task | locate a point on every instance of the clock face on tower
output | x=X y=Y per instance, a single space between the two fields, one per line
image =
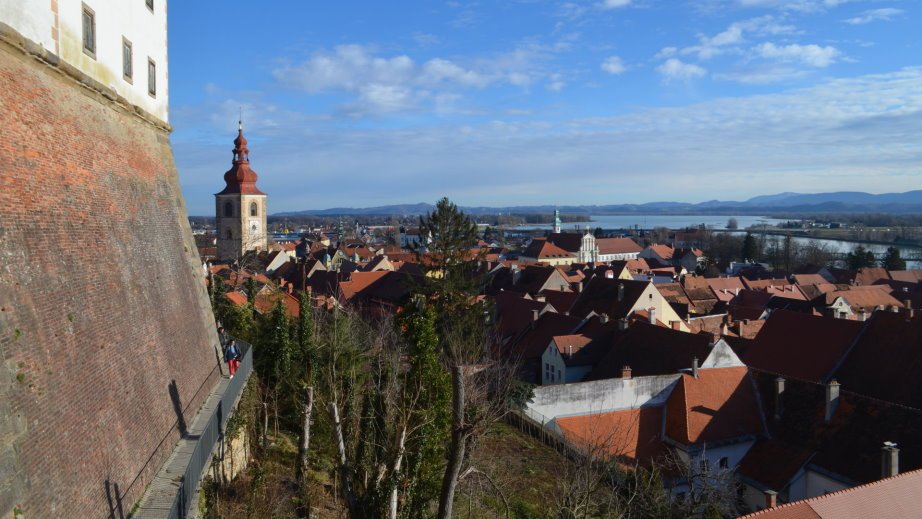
x=254 y=226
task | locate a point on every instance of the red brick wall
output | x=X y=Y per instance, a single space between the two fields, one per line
x=102 y=297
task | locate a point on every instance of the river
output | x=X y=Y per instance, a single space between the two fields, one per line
x=630 y=221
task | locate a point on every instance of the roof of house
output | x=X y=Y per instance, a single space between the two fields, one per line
x=238 y=298
x=720 y=404
x=540 y=248
x=886 y=361
x=662 y=250
x=761 y=284
x=561 y=301
x=652 y=350
x=266 y=299
x=534 y=278
x=617 y=246
x=868 y=276
x=810 y=279
x=891 y=498
x=514 y=312
x=570 y=346
x=909 y=276
x=725 y=289
x=867 y=298
x=600 y=295
x=533 y=340
x=568 y=241
x=772 y=463
x=801 y=346
x=848 y=447
x=632 y=435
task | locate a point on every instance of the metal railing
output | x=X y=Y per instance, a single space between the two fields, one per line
x=211 y=435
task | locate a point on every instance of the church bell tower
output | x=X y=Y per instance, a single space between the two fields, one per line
x=240 y=209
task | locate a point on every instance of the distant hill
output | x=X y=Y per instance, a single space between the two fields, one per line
x=843 y=201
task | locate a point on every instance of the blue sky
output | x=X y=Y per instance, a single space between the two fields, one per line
x=546 y=102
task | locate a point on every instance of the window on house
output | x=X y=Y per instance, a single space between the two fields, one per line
x=253 y=209
x=127 y=69
x=150 y=4
x=228 y=209
x=89 y=31
x=151 y=77
x=725 y=462
x=559 y=375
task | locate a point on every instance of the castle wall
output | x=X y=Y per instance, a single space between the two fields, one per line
x=105 y=324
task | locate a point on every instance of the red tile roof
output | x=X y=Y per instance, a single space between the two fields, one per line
x=720 y=404
x=570 y=344
x=631 y=435
x=801 y=346
x=617 y=246
x=890 y=498
x=662 y=250
x=541 y=248
x=652 y=350
x=772 y=463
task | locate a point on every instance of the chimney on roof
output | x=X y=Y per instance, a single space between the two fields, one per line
x=540 y=298
x=695 y=367
x=652 y=312
x=675 y=325
x=894 y=309
x=620 y=291
x=832 y=399
x=771 y=499
x=623 y=324
x=779 y=397
x=862 y=315
x=569 y=350
x=889 y=460
x=579 y=287
x=609 y=274
x=907 y=303
x=603 y=318
x=563 y=288
x=715 y=337
x=534 y=315
x=626 y=372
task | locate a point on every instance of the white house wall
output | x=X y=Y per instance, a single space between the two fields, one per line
x=599 y=396
x=115 y=20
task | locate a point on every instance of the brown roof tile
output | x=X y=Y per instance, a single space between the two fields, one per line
x=720 y=404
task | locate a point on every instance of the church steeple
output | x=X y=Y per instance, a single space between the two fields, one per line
x=241 y=178
x=557 y=221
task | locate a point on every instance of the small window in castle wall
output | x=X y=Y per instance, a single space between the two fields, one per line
x=151 y=77
x=127 y=56
x=89 y=31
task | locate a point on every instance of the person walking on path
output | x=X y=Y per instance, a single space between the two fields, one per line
x=232 y=357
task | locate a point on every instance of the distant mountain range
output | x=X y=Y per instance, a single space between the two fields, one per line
x=838 y=202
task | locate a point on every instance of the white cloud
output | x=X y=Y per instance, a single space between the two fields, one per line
x=674 y=68
x=734 y=35
x=794 y=5
x=613 y=65
x=397 y=83
x=614 y=4
x=812 y=55
x=874 y=15
x=556 y=83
